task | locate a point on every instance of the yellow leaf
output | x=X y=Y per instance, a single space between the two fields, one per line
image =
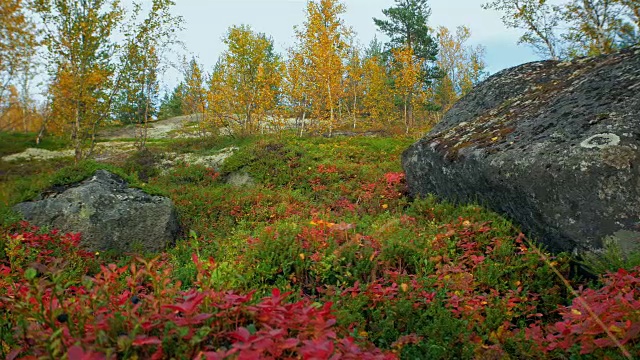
x=384 y=206
x=301 y=256
x=404 y=287
x=615 y=329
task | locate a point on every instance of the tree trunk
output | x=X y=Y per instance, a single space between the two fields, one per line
x=410 y=112
x=24 y=120
x=355 y=107
x=330 y=110
x=406 y=119
x=145 y=123
x=43 y=128
x=76 y=136
x=248 y=125
x=304 y=115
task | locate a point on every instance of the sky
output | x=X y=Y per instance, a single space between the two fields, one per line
x=207 y=21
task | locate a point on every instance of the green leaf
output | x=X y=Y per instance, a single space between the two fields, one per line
x=183 y=331
x=30 y=274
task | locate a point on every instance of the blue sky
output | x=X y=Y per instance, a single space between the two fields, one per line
x=206 y=22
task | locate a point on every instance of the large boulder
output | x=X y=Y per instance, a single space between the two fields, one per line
x=552 y=145
x=109 y=214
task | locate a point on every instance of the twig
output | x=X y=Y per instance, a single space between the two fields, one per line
x=615 y=340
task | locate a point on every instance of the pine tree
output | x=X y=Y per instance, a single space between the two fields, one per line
x=171 y=104
x=412 y=46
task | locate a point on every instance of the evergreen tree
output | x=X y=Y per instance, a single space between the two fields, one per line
x=406 y=26
x=374 y=49
x=171 y=104
x=413 y=51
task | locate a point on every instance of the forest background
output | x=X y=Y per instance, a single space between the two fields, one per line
x=101 y=63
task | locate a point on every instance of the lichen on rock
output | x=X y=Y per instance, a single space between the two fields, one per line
x=109 y=215
x=552 y=145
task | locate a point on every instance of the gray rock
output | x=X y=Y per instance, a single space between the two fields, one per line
x=109 y=214
x=240 y=179
x=552 y=145
x=214 y=161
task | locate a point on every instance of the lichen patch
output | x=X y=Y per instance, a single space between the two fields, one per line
x=601 y=141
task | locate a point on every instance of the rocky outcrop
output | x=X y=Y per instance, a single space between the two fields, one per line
x=109 y=214
x=552 y=145
x=214 y=161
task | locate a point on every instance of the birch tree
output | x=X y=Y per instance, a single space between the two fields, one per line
x=599 y=27
x=253 y=73
x=354 y=89
x=379 y=94
x=406 y=74
x=17 y=47
x=297 y=86
x=80 y=47
x=462 y=65
x=147 y=41
x=324 y=41
x=540 y=20
x=195 y=94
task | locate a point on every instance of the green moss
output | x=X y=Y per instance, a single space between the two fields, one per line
x=14 y=142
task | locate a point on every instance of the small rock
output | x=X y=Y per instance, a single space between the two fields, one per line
x=240 y=178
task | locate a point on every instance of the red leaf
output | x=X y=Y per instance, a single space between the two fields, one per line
x=209 y=355
x=241 y=334
x=77 y=353
x=201 y=317
x=249 y=355
x=188 y=306
x=146 y=340
x=290 y=343
x=603 y=342
x=13 y=354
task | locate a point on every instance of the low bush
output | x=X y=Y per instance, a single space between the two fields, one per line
x=324 y=257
